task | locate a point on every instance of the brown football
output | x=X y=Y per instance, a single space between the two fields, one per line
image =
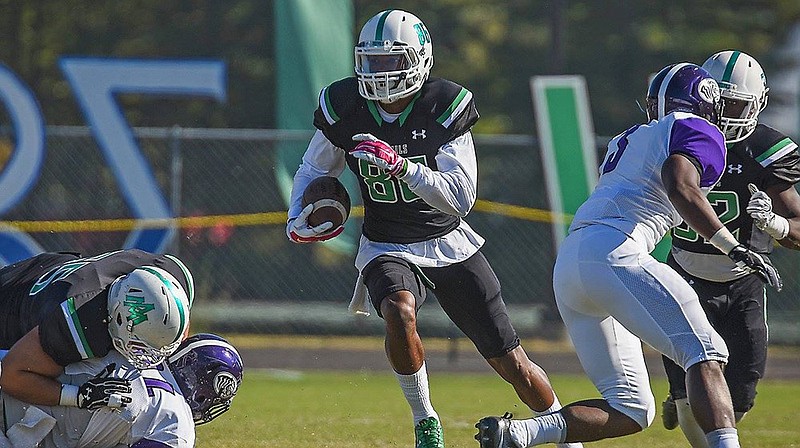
x=330 y=199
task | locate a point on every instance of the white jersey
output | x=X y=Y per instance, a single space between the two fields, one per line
x=157 y=411
x=630 y=195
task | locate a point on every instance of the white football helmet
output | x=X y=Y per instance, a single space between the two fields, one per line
x=743 y=87
x=394 y=56
x=148 y=315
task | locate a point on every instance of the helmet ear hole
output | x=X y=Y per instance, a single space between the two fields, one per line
x=119 y=319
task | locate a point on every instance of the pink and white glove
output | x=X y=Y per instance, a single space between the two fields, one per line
x=298 y=230
x=379 y=153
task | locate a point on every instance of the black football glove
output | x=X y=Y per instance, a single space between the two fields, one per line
x=760 y=264
x=104 y=390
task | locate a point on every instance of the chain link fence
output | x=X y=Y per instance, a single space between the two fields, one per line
x=222 y=185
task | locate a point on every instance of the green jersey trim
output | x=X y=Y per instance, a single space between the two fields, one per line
x=326 y=107
x=373 y=109
x=408 y=109
x=76 y=328
x=456 y=107
x=776 y=151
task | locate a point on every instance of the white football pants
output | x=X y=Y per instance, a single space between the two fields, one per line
x=612 y=295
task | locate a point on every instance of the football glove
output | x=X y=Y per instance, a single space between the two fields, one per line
x=379 y=153
x=299 y=231
x=760 y=209
x=746 y=258
x=104 y=390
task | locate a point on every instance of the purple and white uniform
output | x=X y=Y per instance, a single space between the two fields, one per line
x=612 y=294
x=157 y=417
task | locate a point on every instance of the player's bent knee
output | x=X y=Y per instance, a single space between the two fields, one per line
x=642 y=411
x=397 y=307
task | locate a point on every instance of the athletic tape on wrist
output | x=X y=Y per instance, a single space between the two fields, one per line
x=778 y=227
x=724 y=240
x=69 y=395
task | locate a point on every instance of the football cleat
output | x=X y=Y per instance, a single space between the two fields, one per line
x=428 y=434
x=669 y=413
x=493 y=432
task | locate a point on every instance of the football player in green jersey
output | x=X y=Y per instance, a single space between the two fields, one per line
x=406 y=137
x=757 y=201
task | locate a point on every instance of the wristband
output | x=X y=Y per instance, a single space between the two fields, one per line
x=777 y=227
x=115 y=401
x=724 y=240
x=69 y=395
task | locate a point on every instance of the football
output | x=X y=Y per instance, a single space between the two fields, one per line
x=330 y=199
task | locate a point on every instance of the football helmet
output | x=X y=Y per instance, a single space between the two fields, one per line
x=394 y=56
x=208 y=371
x=743 y=87
x=148 y=314
x=684 y=87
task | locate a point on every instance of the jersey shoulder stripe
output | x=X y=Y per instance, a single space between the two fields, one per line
x=451 y=105
x=776 y=151
x=766 y=145
x=76 y=328
x=337 y=98
x=458 y=105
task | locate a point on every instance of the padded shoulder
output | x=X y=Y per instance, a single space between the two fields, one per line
x=336 y=101
x=453 y=106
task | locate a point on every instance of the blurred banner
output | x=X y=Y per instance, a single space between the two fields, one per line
x=314 y=47
x=566 y=135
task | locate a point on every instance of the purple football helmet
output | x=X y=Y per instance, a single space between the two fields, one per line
x=684 y=87
x=208 y=371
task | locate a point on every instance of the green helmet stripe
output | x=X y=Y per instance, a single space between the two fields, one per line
x=726 y=77
x=189 y=278
x=381 y=23
x=178 y=304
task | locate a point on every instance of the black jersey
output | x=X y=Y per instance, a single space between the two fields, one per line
x=765 y=158
x=67 y=297
x=440 y=112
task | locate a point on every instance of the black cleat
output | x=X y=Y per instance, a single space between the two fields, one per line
x=493 y=432
x=669 y=413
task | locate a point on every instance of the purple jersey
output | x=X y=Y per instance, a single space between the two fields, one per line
x=630 y=195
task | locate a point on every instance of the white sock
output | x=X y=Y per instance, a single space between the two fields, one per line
x=415 y=389
x=691 y=430
x=549 y=428
x=723 y=438
x=556 y=406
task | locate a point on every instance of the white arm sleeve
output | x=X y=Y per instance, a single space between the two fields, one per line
x=454 y=187
x=322 y=158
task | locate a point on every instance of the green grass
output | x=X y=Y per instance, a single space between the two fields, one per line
x=367 y=409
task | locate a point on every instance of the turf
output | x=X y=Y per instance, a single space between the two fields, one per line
x=366 y=409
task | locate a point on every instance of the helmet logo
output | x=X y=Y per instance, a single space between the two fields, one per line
x=422 y=33
x=708 y=89
x=137 y=309
x=225 y=385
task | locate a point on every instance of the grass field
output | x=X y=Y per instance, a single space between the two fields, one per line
x=366 y=409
